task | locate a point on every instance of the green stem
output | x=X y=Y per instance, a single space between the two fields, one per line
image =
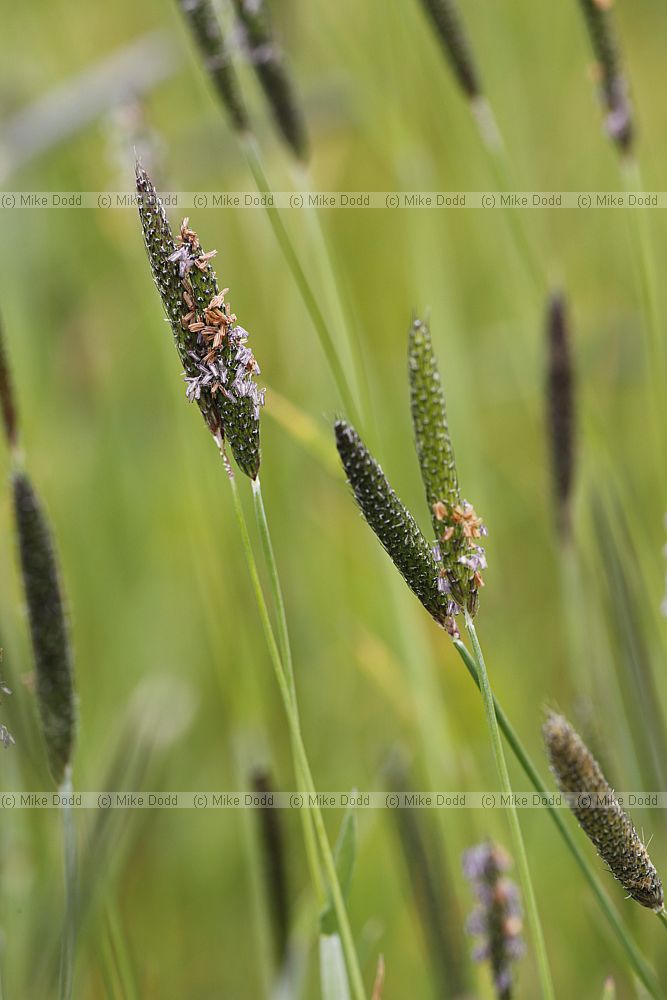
x=347 y=939
x=69 y=864
x=639 y=964
x=288 y=663
x=519 y=846
x=662 y=916
x=307 y=294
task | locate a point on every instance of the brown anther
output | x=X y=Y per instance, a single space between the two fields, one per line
x=196 y=327
x=439 y=510
x=479 y=582
x=447 y=534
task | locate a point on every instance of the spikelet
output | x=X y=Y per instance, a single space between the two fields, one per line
x=393 y=524
x=613 y=86
x=600 y=814
x=52 y=651
x=497 y=918
x=446 y=20
x=219 y=368
x=207 y=33
x=456 y=526
x=560 y=410
x=268 y=61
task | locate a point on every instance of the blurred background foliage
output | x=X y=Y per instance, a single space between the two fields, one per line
x=151 y=558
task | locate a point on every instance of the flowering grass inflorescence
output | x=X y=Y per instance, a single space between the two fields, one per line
x=497 y=918
x=600 y=814
x=612 y=82
x=219 y=367
x=560 y=409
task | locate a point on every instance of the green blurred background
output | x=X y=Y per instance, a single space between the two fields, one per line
x=151 y=557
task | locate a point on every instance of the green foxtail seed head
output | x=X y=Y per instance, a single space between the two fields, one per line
x=456 y=526
x=219 y=367
x=205 y=27
x=267 y=58
x=52 y=651
x=613 y=86
x=446 y=20
x=599 y=813
x=393 y=524
x=560 y=410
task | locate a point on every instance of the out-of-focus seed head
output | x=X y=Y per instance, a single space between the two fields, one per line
x=267 y=58
x=219 y=367
x=54 y=671
x=7 y=404
x=446 y=20
x=612 y=83
x=600 y=814
x=560 y=410
x=456 y=526
x=497 y=918
x=394 y=526
x=203 y=23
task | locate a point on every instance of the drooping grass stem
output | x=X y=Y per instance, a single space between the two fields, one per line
x=70 y=873
x=301 y=759
x=639 y=964
x=309 y=297
x=517 y=836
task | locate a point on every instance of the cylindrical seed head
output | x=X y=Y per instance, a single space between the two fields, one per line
x=268 y=61
x=446 y=20
x=52 y=651
x=207 y=33
x=7 y=404
x=613 y=86
x=560 y=409
x=600 y=814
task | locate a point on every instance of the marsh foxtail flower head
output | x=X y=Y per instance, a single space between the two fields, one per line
x=52 y=651
x=266 y=57
x=600 y=814
x=219 y=367
x=497 y=918
x=612 y=83
x=458 y=529
x=7 y=404
x=560 y=409
x=202 y=20
x=446 y=20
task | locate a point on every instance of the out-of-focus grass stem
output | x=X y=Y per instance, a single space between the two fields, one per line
x=309 y=297
x=70 y=871
x=301 y=760
x=639 y=964
x=519 y=846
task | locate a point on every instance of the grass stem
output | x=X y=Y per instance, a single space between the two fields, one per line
x=301 y=760
x=519 y=846
x=69 y=863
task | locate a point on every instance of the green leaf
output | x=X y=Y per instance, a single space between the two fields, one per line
x=333 y=974
x=345 y=853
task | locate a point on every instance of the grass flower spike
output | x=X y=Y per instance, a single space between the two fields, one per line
x=600 y=814
x=497 y=919
x=456 y=526
x=52 y=651
x=267 y=58
x=207 y=33
x=219 y=367
x=613 y=86
x=446 y=20
x=560 y=410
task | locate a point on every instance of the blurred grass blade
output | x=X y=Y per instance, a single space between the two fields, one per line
x=267 y=59
x=216 y=59
x=378 y=985
x=333 y=974
x=609 y=990
x=345 y=852
x=48 y=627
x=7 y=402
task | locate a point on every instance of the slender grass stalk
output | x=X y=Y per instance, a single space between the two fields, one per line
x=70 y=872
x=354 y=971
x=663 y=918
x=327 y=342
x=288 y=663
x=640 y=966
x=517 y=836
